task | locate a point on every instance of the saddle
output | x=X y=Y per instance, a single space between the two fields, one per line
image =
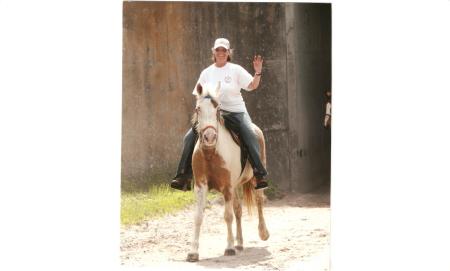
x=244 y=152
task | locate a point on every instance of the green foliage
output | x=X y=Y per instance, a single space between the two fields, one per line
x=273 y=192
x=158 y=200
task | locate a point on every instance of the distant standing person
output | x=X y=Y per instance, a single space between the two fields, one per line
x=327 y=120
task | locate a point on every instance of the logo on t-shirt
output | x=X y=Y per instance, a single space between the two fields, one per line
x=227 y=79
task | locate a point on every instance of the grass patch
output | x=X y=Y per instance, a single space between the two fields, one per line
x=144 y=182
x=157 y=201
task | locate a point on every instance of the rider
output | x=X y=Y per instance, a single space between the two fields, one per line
x=232 y=78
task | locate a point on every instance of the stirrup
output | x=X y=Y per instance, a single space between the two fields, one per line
x=261 y=184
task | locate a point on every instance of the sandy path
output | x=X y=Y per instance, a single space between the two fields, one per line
x=299 y=238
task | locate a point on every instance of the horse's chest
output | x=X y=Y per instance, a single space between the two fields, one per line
x=215 y=164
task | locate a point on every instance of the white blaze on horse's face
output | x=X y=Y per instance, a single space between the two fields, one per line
x=207 y=114
x=207 y=121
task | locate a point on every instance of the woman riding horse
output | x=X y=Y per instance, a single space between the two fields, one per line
x=232 y=78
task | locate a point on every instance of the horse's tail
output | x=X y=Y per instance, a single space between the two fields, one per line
x=248 y=187
x=249 y=194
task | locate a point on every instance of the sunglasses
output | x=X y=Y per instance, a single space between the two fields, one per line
x=220 y=49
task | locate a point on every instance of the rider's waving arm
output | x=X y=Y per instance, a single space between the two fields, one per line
x=257 y=65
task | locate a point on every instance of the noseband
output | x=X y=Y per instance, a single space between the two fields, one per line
x=209 y=126
x=201 y=135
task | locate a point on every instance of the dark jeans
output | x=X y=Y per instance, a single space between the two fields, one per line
x=241 y=124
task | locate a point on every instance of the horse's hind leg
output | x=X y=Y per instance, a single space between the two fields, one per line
x=229 y=220
x=263 y=232
x=262 y=229
x=200 y=193
x=238 y=214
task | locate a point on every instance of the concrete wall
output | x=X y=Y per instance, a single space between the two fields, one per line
x=309 y=60
x=167 y=44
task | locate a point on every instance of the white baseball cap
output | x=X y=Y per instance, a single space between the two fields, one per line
x=221 y=42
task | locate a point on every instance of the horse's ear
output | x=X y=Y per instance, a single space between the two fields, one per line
x=199 y=89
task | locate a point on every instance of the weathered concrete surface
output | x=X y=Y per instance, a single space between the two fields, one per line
x=311 y=62
x=167 y=44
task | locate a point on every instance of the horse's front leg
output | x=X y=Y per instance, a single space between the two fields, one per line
x=200 y=194
x=229 y=220
x=238 y=214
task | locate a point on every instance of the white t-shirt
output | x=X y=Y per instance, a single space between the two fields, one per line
x=328 y=109
x=232 y=79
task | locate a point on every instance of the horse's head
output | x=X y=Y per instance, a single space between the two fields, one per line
x=207 y=114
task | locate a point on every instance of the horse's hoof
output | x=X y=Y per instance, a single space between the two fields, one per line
x=240 y=248
x=230 y=252
x=264 y=235
x=192 y=257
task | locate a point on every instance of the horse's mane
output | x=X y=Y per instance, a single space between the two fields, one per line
x=194 y=119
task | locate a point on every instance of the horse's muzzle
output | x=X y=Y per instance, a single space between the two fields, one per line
x=209 y=136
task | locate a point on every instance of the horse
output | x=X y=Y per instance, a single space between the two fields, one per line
x=217 y=165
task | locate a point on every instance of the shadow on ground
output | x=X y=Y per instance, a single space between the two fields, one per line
x=249 y=256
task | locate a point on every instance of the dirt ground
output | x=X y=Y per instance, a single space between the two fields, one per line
x=299 y=227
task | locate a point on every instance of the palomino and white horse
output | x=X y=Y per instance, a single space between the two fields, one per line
x=216 y=165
